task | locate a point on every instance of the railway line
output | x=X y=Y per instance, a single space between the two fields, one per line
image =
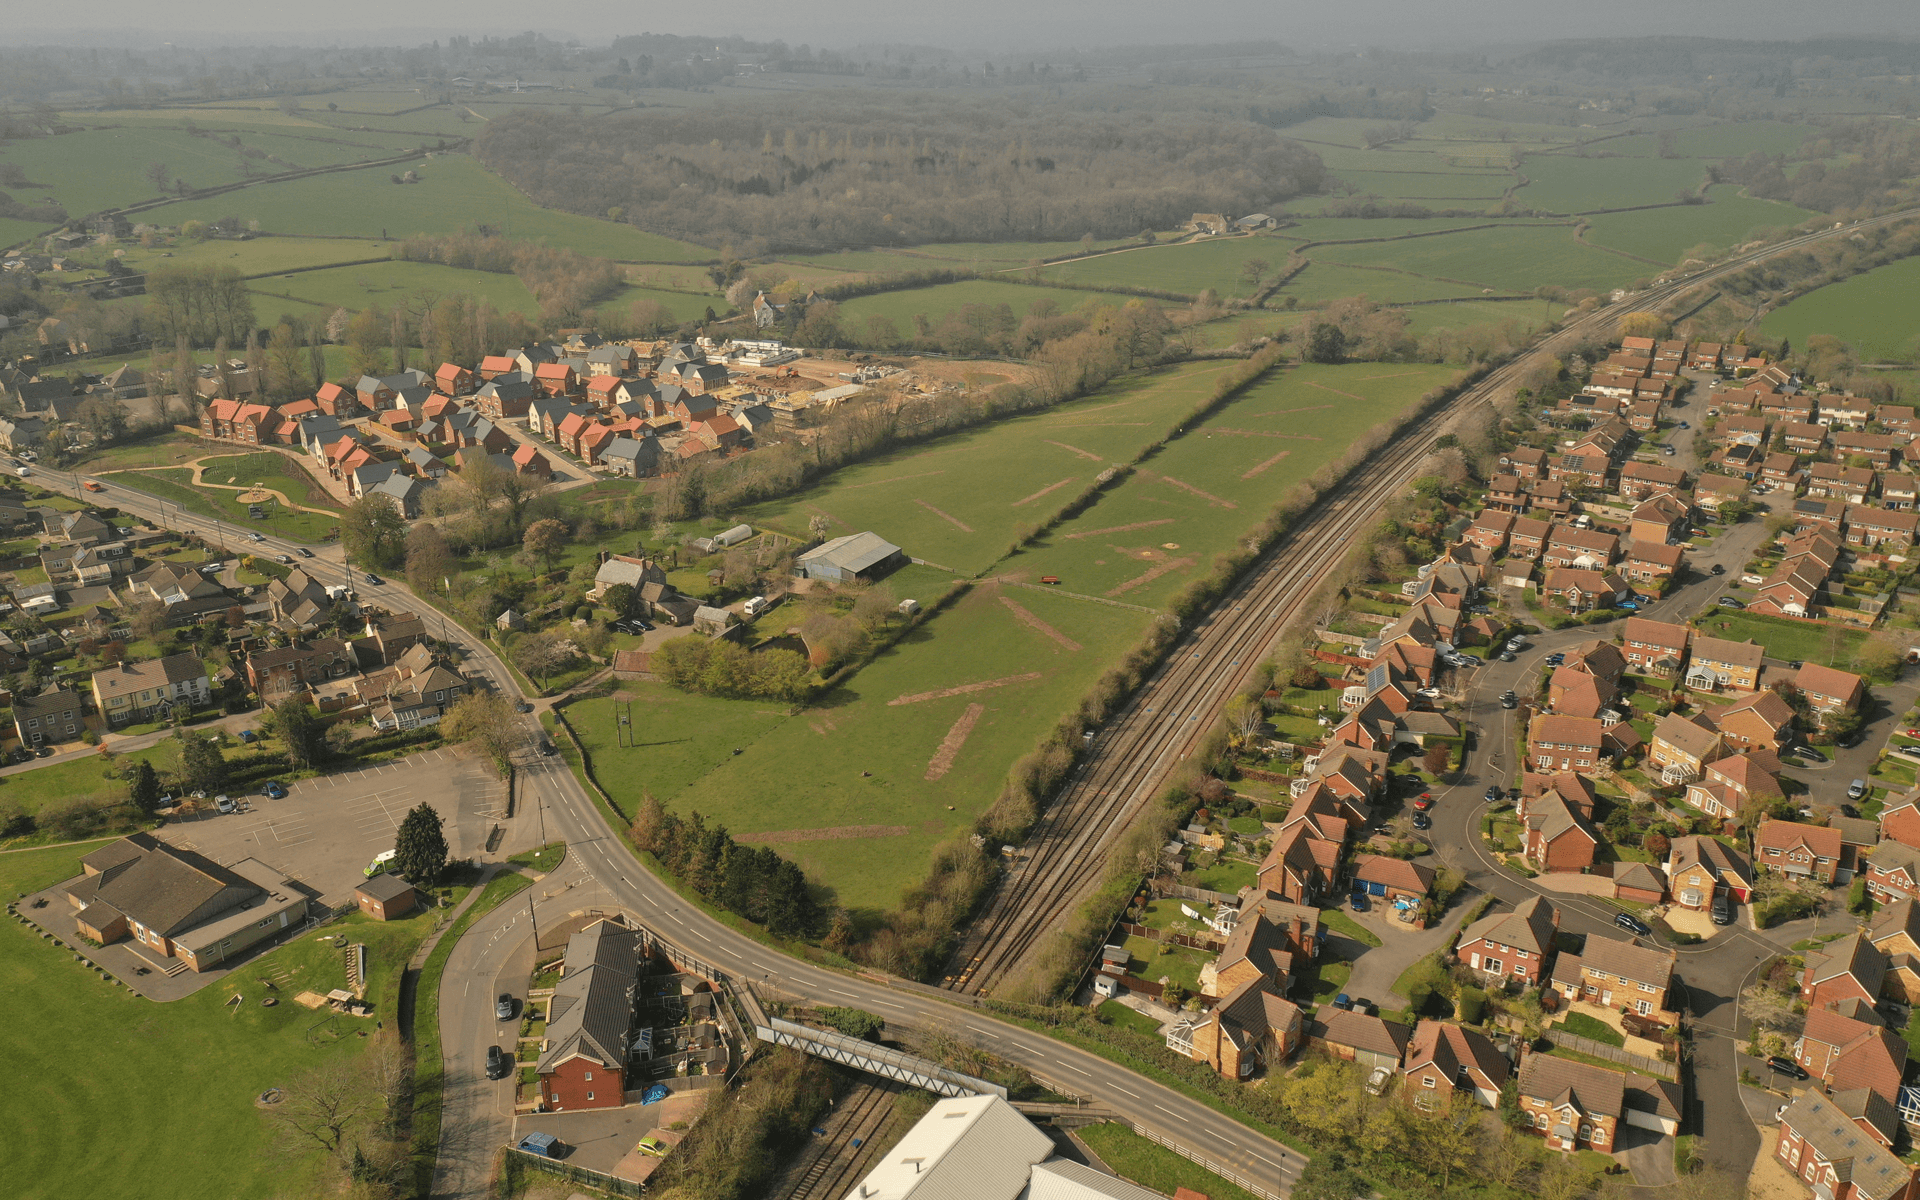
x=1131 y=760
x=834 y=1162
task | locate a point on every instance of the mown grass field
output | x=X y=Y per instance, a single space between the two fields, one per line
x=1319 y=229
x=1735 y=139
x=15 y=232
x=1506 y=260
x=267 y=469
x=1787 y=638
x=1443 y=189
x=98 y=1059
x=456 y=193
x=947 y=255
x=175 y=485
x=994 y=480
x=1872 y=312
x=934 y=303
x=1665 y=234
x=83 y=778
x=1187 y=269
x=855 y=759
x=1562 y=183
x=387 y=283
x=1423 y=319
x=1323 y=281
x=261 y=256
x=1144 y=540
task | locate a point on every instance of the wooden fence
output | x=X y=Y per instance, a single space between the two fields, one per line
x=1638 y=1062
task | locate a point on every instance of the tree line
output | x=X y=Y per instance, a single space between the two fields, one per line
x=752 y=881
x=826 y=172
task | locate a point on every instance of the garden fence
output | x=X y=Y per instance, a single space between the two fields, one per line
x=1232 y=1177
x=1638 y=1062
x=607 y=1183
x=1183 y=892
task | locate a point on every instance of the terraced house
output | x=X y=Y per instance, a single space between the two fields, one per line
x=148 y=691
x=1843 y=1157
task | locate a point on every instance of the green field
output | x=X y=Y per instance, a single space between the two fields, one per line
x=1664 y=234
x=456 y=193
x=947 y=255
x=387 y=283
x=14 y=232
x=1872 y=312
x=936 y=302
x=991 y=479
x=854 y=759
x=107 y=1078
x=1733 y=140
x=1506 y=260
x=1423 y=319
x=1433 y=188
x=83 y=778
x=261 y=256
x=1785 y=637
x=1561 y=183
x=1187 y=269
x=1324 y=281
x=1337 y=229
x=1146 y=538
x=1153 y=1166
x=175 y=485
x=267 y=469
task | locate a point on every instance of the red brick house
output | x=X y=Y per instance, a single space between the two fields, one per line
x=1489 y=531
x=1618 y=975
x=1900 y=820
x=1514 y=945
x=1800 y=850
x=1842 y=1157
x=1648 y=562
x=555 y=379
x=590 y=1019
x=1881 y=529
x=452 y=379
x=1893 y=871
x=1761 y=721
x=1850 y=969
x=1392 y=878
x=494 y=365
x=1572 y=1105
x=1556 y=814
x=1830 y=690
x=1656 y=648
x=1847 y=1052
x=1640 y=480
x=1443 y=1059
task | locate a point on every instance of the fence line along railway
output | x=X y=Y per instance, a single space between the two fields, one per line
x=1178 y=705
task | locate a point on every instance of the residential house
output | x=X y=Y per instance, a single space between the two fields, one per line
x=1848 y=1046
x=1660 y=519
x=1443 y=1059
x=1762 y=720
x=1880 y=450
x=1729 y=783
x=1527 y=462
x=1833 y=481
x=1572 y=1105
x=1858 y=837
x=1741 y=431
x=1368 y=1042
x=1589 y=549
x=1712 y=491
x=178 y=904
x=1803 y=438
x=51 y=716
x=1849 y=969
x=1899 y=491
x=1392 y=879
x=1900 y=819
x=1828 y=689
x=1272 y=938
x=1681 y=746
x=1641 y=480
x=590 y=1020
x=1556 y=815
x=452 y=379
x=1893 y=871
x=1839 y=1150
x=1800 y=850
x=1781 y=468
x=285 y=670
x=1649 y=562
x=1516 y=945
x=635 y=458
x=1700 y=867
x=1792 y=590
x=1255 y=1024
x=1528 y=538
x=1655 y=648
x=1619 y=975
x=1579 y=590
x=1721 y=665
x=1556 y=743
x=149 y=691
x=499 y=399
x=1572 y=692
x=1895 y=932
x=1881 y=529
x=555 y=379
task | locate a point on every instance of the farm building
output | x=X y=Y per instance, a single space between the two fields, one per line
x=857 y=556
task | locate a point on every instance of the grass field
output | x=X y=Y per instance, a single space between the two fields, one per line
x=1154 y=1166
x=456 y=192
x=387 y=283
x=261 y=256
x=1187 y=269
x=936 y=302
x=175 y=485
x=1423 y=319
x=1665 y=234
x=82 y=778
x=1321 y=229
x=1787 y=638
x=1146 y=538
x=855 y=759
x=1562 y=183
x=1323 y=281
x=75 y=1081
x=1731 y=140
x=1871 y=312
x=1442 y=189
x=267 y=469
x=1507 y=260
x=994 y=480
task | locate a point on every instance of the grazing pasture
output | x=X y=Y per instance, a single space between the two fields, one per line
x=1665 y=234
x=934 y=303
x=1507 y=260
x=1562 y=183
x=1872 y=312
x=1188 y=269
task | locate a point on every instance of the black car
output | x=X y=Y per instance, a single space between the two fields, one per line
x=303 y=552
x=1730 y=602
x=1848 y=741
x=373 y=579
x=1494 y=794
x=1809 y=753
x=1722 y=908
x=1717 y=569
x=523 y=707
x=1422 y=821
x=1786 y=1066
x=497 y=1063
x=1633 y=924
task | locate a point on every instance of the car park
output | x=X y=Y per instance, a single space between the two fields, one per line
x=225 y=804
x=273 y=791
x=503 y=1007
x=1781 y=1065
x=496 y=1063
x=1422 y=821
x=1633 y=924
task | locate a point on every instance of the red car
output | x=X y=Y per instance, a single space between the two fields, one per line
x=1424 y=802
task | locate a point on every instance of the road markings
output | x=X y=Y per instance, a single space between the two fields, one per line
x=983 y=1032
x=1176 y=1116
x=1116 y=1087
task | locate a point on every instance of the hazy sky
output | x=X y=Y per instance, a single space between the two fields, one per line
x=998 y=25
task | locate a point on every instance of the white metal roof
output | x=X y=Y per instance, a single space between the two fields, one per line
x=965 y=1148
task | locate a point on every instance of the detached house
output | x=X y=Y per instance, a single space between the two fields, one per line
x=1556 y=813
x=1849 y=969
x=1512 y=945
x=1443 y=1059
x=1656 y=648
x=1682 y=746
x=1616 y=974
x=1761 y=721
x=1849 y=1047
x=147 y=691
x=1829 y=690
x=1800 y=850
x=1723 y=665
x=1700 y=867
x=1253 y=1025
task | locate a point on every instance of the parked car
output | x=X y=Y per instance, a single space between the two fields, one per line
x=1857 y=790
x=1423 y=801
x=303 y=552
x=372 y=579
x=273 y=791
x=1494 y=793
x=503 y=1007
x=1556 y=659
x=1506 y=656
x=1667 y=450
x=1629 y=605
x=1509 y=700
x=248 y=736
x=1422 y=821
x=1377 y=1081
x=1809 y=753
x=378 y=864
x=544 y=1144
x=1730 y=602
x=652 y=1146
x=1722 y=908
x=1848 y=741
x=1357 y=902
x=1716 y=569
x=496 y=1063
x=1780 y=1065
x=1633 y=924
x=225 y=804
x=43 y=752
x=1684 y=425
x=257 y=537
x=523 y=707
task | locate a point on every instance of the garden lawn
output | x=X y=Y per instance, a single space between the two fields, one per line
x=1227 y=875
x=1665 y=234
x=1154 y=960
x=1507 y=260
x=1337 y=920
x=934 y=303
x=1115 y=1013
x=994 y=479
x=267 y=469
x=1871 y=312
x=455 y=193
x=174 y=484
x=99 y=1058
x=1188 y=269
x=1787 y=638
x=1144 y=539
x=1154 y=1166
x=1592 y=1028
x=854 y=759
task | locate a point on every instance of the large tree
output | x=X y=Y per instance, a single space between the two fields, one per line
x=420 y=847
x=487 y=720
x=201 y=762
x=373 y=531
x=299 y=727
x=143 y=788
x=546 y=538
x=430 y=561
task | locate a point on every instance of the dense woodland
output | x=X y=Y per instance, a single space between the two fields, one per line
x=826 y=172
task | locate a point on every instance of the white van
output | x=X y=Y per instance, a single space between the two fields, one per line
x=755 y=606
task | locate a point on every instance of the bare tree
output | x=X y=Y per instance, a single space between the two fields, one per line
x=322 y=1105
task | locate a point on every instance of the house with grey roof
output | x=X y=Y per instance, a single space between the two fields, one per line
x=54 y=715
x=590 y=1020
x=406 y=493
x=148 y=691
x=636 y=458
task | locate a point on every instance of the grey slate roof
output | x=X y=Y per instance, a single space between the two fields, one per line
x=163 y=887
x=592 y=1010
x=853 y=553
x=1873 y=1170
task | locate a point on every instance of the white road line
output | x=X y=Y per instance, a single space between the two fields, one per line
x=838 y=992
x=1069 y=1066
x=1223 y=1137
x=1116 y=1087
x=983 y=1032
x=1176 y=1116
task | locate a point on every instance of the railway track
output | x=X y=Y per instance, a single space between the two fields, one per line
x=1160 y=725
x=836 y=1163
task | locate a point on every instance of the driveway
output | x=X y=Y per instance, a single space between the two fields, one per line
x=1375 y=971
x=327 y=829
x=1648 y=1154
